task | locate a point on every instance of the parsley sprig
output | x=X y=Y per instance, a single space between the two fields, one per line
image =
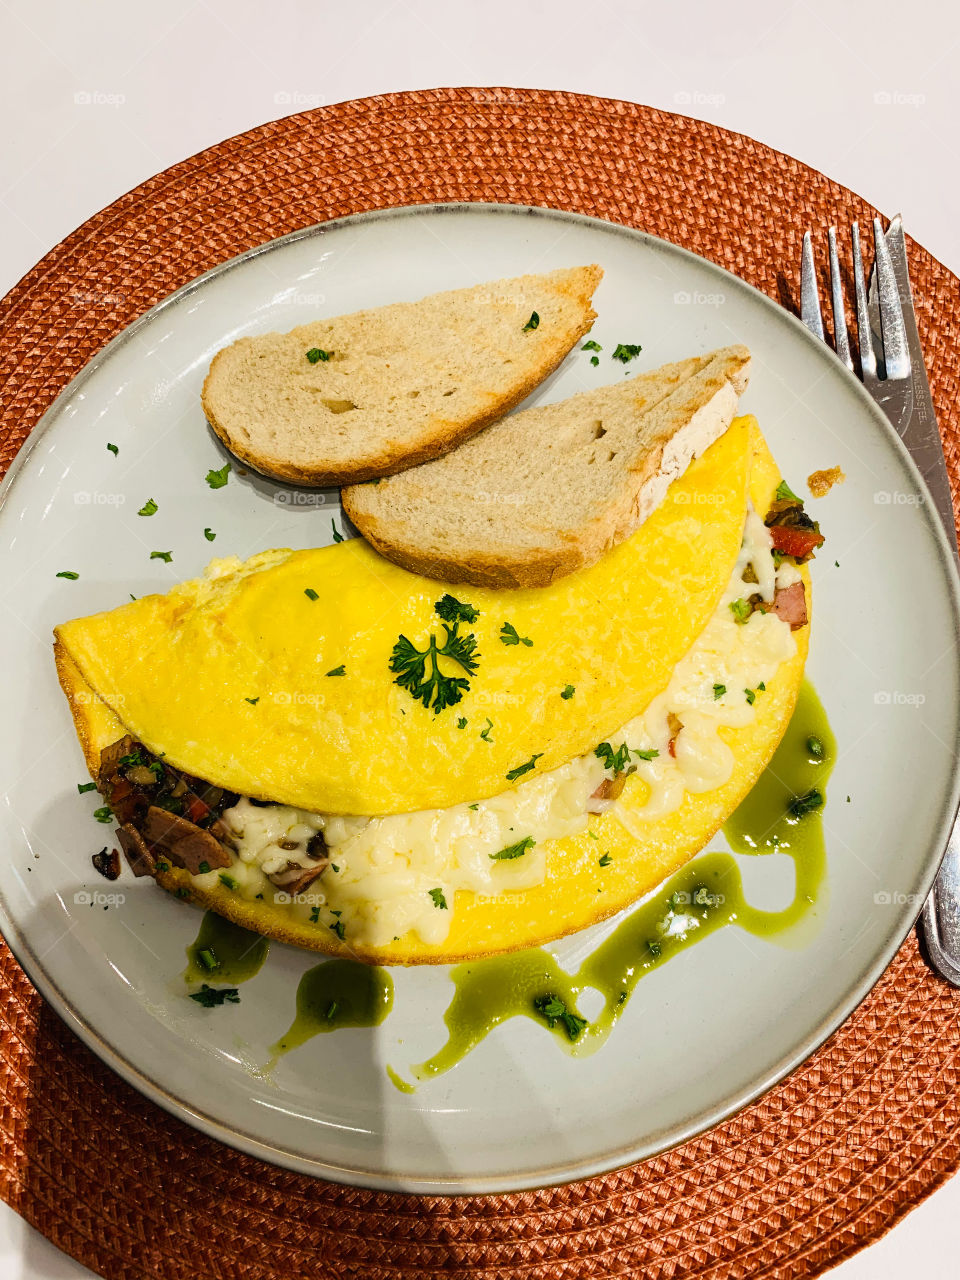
x=419 y=671
x=553 y=1010
x=617 y=761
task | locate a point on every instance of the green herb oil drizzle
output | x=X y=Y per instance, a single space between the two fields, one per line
x=224 y=952
x=335 y=994
x=704 y=896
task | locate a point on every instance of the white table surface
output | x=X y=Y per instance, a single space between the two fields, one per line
x=97 y=98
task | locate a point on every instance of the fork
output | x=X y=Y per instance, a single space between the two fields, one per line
x=892 y=371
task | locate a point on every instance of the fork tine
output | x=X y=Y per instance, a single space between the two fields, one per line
x=841 y=341
x=896 y=356
x=868 y=360
x=809 y=297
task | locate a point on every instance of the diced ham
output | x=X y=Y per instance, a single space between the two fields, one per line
x=608 y=791
x=790 y=605
x=183 y=843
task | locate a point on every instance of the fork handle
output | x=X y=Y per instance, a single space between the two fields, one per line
x=941 y=913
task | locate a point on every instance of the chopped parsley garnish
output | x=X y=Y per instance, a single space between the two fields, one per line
x=68 y=573
x=649 y=754
x=593 y=835
x=211 y=997
x=418 y=670
x=805 y=804
x=103 y=814
x=165 y=556
x=553 y=1009
x=149 y=508
x=654 y=948
x=605 y=860
x=533 y=322
x=217 y=479
x=253 y=701
x=228 y=882
x=462 y=722
x=616 y=761
x=316 y=354
x=741 y=610
x=626 y=351
x=750 y=695
x=209 y=535
x=314 y=914
x=135 y=757
x=339 y=929
x=778 y=557
x=86 y=786
x=718 y=691
x=815 y=747
x=513 y=850
x=509 y=635
x=113 y=449
x=331 y=1012
x=438 y=899
x=485 y=732
x=762 y=688
x=786 y=494
x=590 y=345
x=473 y=806
x=450 y=609
x=208 y=958
x=203 y=868
x=338 y=671
x=337 y=535
x=521 y=769
x=567 y=692
x=310 y=593
x=594 y=360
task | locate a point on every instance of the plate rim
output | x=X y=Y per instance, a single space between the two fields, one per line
x=557 y=1175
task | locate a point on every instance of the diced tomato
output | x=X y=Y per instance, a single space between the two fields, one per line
x=793 y=541
x=196 y=810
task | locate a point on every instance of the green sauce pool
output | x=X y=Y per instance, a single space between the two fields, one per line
x=782 y=814
x=224 y=952
x=335 y=994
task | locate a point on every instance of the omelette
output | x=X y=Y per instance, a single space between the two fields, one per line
x=335 y=752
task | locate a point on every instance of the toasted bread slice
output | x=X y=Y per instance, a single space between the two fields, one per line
x=386 y=389
x=547 y=491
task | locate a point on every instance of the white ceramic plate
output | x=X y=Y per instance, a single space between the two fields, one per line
x=705 y=1033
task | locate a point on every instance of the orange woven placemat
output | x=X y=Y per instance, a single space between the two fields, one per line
x=822 y=1164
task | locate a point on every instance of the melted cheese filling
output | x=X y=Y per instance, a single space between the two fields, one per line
x=390 y=875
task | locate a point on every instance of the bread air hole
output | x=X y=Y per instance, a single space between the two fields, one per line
x=599 y=430
x=452 y=392
x=339 y=406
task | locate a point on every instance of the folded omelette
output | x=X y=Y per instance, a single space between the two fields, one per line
x=332 y=751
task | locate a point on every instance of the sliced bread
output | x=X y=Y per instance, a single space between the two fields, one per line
x=546 y=491
x=342 y=400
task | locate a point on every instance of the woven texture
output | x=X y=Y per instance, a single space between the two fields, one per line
x=822 y=1164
